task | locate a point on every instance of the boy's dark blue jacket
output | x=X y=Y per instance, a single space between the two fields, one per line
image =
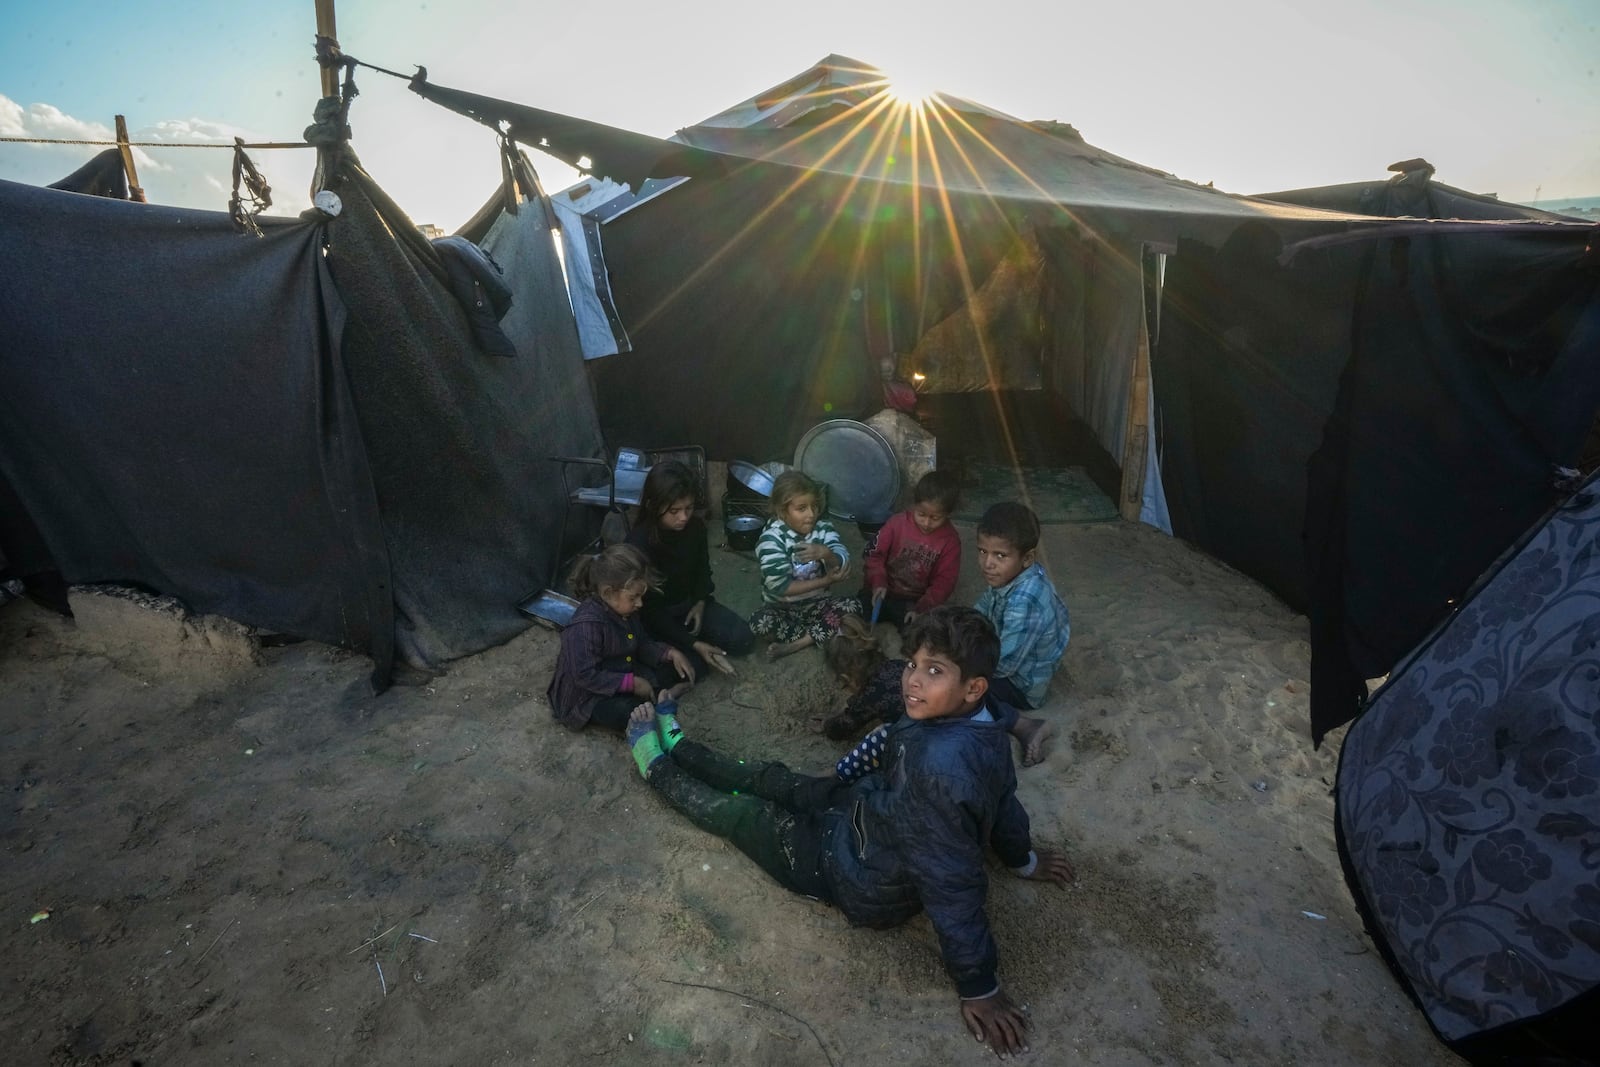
x=912 y=837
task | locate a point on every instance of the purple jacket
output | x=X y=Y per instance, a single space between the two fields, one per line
x=597 y=649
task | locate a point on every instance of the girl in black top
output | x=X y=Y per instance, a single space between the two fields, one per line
x=682 y=611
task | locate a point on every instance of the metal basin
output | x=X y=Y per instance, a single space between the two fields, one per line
x=857 y=464
x=745 y=479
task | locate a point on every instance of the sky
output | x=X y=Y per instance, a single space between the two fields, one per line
x=1502 y=96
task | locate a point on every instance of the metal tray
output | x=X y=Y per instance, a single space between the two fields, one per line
x=858 y=465
x=549 y=608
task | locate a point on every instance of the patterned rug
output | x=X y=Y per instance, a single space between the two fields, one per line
x=1056 y=494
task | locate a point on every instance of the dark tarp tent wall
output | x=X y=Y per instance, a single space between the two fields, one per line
x=301 y=441
x=175 y=414
x=1466 y=805
x=470 y=503
x=1401 y=403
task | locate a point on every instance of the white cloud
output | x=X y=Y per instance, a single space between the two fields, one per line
x=45 y=120
x=11 y=118
x=181 y=177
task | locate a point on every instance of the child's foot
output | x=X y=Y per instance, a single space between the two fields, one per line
x=778 y=650
x=667 y=728
x=643 y=741
x=1035 y=736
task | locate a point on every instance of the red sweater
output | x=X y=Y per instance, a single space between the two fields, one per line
x=913 y=565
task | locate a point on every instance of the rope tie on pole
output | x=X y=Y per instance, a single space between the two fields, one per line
x=257 y=193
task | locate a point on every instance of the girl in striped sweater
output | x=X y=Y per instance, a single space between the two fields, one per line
x=801 y=559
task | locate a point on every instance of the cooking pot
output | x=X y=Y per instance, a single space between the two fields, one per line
x=743 y=531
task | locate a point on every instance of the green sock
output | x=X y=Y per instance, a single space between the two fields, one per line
x=645 y=746
x=669 y=730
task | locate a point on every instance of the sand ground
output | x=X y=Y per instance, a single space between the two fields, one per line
x=231 y=853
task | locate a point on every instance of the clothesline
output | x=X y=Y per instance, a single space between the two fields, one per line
x=157 y=144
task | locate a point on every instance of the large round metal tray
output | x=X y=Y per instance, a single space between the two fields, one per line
x=857 y=463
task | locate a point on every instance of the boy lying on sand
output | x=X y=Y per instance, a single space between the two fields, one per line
x=906 y=837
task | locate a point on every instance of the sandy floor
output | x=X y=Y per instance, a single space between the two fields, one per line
x=230 y=854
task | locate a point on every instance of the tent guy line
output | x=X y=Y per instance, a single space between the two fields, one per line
x=156 y=144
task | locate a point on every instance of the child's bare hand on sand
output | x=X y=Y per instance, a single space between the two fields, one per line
x=681 y=664
x=714 y=656
x=998 y=1023
x=1052 y=867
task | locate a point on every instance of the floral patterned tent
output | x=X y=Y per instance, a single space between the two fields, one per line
x=1469 y=803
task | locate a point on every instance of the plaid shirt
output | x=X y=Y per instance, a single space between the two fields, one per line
x=1032 y=622
x=775 y=556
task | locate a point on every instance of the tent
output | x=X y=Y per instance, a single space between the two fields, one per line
x=1433 y=349
x=1408 y=402
x=1466 y=804
x=296 y=431
x=823 y=227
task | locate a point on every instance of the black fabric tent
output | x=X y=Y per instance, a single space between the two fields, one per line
x=103 y=175
x=1465 y=804
x=1365 y=428
x=294 y=431
x=795 y=259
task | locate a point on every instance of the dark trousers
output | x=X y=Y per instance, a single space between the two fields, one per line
x=894 y=608
x=612 y=712
x=719 y=626
x=1006 y=691
x=765 y=810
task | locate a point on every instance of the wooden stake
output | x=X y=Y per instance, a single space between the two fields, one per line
x=134 y=191
x=327 y=27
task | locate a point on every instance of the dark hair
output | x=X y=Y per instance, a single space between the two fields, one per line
x=853 y=657
x=613 y=568
x=667 y=483
x=962 y=634
x=791 y=485
x=1015 y=522
x=937 y=487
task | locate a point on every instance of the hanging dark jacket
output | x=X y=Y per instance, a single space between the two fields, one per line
x=477 y=284
x=913 y=835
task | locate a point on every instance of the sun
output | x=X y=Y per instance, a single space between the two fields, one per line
x=909 y=92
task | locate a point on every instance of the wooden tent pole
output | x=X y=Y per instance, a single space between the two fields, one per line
x=1136 y=446
x=134 y=190
x=327 y=27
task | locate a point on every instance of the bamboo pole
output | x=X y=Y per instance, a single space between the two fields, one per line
x=327 y=27
x=135 y=192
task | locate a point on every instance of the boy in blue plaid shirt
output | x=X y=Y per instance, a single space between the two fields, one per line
x=1027 y=613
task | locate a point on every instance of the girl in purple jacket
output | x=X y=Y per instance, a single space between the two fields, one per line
x=608 y=664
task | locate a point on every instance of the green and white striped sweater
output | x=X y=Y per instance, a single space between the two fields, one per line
x=775 y=555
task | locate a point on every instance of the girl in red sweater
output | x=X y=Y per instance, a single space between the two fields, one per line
x=913 y=566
